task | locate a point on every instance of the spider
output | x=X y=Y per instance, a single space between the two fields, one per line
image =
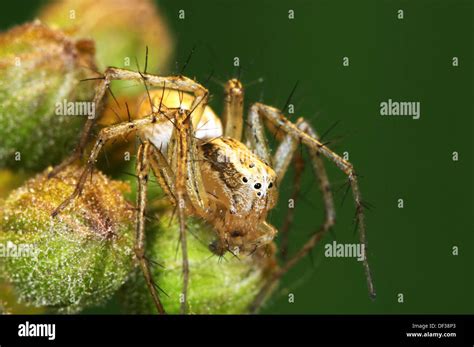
x=213 y=170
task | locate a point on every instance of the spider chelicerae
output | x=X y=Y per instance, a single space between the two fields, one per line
x=211 y=169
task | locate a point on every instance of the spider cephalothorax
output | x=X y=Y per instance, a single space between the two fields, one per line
x=243 y=190
x=209 y=169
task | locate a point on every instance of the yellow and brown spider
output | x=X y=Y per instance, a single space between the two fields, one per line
x=206 y=170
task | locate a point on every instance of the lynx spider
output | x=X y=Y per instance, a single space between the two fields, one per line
x=187 y=167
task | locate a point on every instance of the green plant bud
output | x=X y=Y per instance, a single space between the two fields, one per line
x=10 y=180
x=40 y=69
x=120 y=28
x=77 y=259
x=217 y=285
x=10 y=305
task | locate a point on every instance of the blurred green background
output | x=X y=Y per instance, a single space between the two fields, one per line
x=410 y=249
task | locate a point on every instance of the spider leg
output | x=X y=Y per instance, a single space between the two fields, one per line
x=178 y=154
x=163 y=173
x=180 y=195
x=309 y=138
x=180 y=83
x=284 y=155
x=255 y=136
x=323 y=180
x=232 y=114
x=142 y=169
x=282 y=158
x=101 y=88
x=290 y=214
x=188 y=184
x=194 y=185
x=267 y=232
x=184 y=135
x=105 y=135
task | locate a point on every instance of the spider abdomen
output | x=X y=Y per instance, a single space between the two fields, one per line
x=206 y=126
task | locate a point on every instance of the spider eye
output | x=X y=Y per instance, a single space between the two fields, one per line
x=244 y=179
x=257 y=186
x=270 y=185
x=258 y=194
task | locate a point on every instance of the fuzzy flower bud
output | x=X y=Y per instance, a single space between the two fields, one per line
x=77 y=259
x=40 y=71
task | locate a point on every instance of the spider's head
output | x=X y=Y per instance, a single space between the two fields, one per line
x=238 y=178
x=258 y=187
